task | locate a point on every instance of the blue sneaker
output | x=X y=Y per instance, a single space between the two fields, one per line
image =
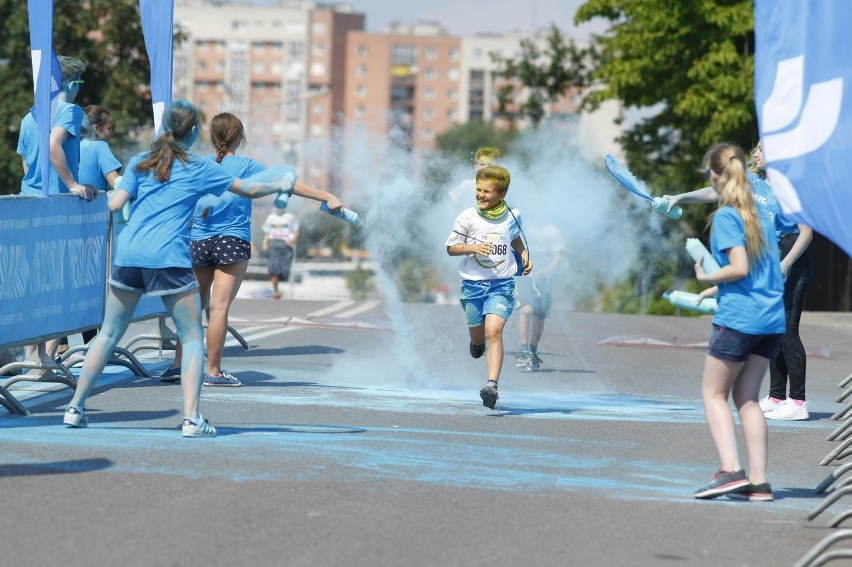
x=226 y=379
x=170 y=375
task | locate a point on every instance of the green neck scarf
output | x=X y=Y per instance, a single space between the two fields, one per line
x=494 y=212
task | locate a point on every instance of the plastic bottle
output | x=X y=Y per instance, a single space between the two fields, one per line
x=662 y=204
x=122 y=215
x=686 y=300
x=697 y=250
x=345 y=214
x=281 y=199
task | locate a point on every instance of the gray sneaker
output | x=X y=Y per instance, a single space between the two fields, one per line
x=724 y=482
x=226 y=379
x=198 y=428
x=488 y=393
x=75 y=417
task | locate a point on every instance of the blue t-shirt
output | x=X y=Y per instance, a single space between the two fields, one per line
x=68 y=116
x=157 y=234
x=96 y=162
x=754 y=304
x=230 y=214
x=767 y=204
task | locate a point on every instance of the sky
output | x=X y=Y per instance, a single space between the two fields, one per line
x=468 y=17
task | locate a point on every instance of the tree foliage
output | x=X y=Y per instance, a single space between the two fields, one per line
x=691 y=65
x=104 y=34
x=545 y=72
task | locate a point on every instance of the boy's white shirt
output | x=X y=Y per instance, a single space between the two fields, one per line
x=476 y=228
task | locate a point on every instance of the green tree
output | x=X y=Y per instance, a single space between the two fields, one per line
x=107 y=36
x=546 y=73
x=691 y=64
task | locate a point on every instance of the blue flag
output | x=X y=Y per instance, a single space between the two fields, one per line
x=803 y=96
x=47 y=77
x=158 y=27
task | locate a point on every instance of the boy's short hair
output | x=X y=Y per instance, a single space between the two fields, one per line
x=486 y=155
x=70 y=67
x=500 y=175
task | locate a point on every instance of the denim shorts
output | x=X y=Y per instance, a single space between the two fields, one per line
x=219 y=251
x=536 y=292
x=153 y=281
x=731 y=345
x=481 y=297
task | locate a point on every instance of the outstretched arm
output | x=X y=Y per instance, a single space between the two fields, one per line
x=310 y=192
x=699 y=196
x=257 y=189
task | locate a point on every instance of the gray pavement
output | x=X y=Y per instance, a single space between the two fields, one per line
x=359 y=439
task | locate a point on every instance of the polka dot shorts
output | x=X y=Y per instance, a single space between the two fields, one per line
x=219 y=251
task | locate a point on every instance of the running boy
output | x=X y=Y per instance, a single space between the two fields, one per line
x=486 y=234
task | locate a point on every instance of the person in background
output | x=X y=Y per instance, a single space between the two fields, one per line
x=64 y=150
x=747 y=328
x=99 y=168
x=280 y=232
x=534 y=294
x=465 y=192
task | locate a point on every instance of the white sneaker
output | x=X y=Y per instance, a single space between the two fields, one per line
x=75 y=417
x=198 y=428
x=768 y=404
x=789 y=410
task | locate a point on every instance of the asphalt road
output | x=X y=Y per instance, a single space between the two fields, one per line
x=359 y=438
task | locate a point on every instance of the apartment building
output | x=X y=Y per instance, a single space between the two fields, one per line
x=251 y=61
x=296 y=72
x=404 y=83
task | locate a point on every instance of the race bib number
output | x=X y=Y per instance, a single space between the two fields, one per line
x=500 y=250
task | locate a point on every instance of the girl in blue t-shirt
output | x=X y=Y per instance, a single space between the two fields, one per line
x=747 y=327
x=153 y=254
x=220 y=246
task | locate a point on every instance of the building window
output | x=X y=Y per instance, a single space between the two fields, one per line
x=403 y=54
x=360 y=111
x=454 y=54
x=478 y=54
x=429 y=73
x=453 y=94
x=361 y=91
x=452 y=114
x=362 y=50
x=293 y=89
x=201 y=65
x=201 y=87
x=318 y=108
x=430 y=53
x=362 y=70
x=220 y=65
x=295 y=48
x=428 y=134
x=316 y=129
x=318 y=48
x=429 y=93
x=258 y=67
x=428 y=113
x=317 y=69
x=453 y=74
x=319 y=28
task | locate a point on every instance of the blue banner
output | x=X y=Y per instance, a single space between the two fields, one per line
x=158 y=27
x=803 y=96
x=47 y=77
x=53 y=255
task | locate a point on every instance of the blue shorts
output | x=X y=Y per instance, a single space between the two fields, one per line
x=731 y=345
x=536 y=292
x=481 y=297
x=153 y=281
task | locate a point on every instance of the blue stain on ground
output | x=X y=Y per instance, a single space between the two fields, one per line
x=311 y=452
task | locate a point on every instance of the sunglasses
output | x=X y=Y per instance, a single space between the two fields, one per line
x=77 y=82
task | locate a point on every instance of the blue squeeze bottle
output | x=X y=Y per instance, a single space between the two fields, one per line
x=345 y=214
x=697 y=250
x=686 y=300
x=662 y=204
